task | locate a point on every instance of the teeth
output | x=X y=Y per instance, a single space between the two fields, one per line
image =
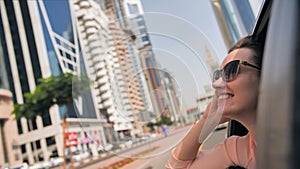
x=225 y=96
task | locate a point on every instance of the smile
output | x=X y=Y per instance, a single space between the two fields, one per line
x=225 y=96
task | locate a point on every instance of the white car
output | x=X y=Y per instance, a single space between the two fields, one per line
x=56 y=161
x=107 y=147
x=19 y=166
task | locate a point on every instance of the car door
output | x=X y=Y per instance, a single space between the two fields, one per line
x=278 y=138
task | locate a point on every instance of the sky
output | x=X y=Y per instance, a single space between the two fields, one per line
x=180 y=30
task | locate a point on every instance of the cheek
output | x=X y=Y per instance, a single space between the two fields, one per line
x=249 y=95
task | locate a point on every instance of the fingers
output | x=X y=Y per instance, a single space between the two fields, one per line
x=213 y=116
x=214 y=103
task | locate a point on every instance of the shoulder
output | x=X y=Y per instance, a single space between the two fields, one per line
x=238 y=149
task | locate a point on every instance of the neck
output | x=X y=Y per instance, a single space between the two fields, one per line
x=249 y=122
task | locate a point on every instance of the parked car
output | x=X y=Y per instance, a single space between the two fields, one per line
x=19 y=166
x=107 y=147
x=56 y=161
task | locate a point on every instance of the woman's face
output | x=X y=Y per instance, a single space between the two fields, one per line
x=240 y=95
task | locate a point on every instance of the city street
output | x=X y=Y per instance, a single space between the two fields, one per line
x=159 y=153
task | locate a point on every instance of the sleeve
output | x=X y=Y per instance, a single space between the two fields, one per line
x=175 y=163
x=241 y=152
x=220 y=156
x=230 y=145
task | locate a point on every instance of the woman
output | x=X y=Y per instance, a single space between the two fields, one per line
x=236 y=87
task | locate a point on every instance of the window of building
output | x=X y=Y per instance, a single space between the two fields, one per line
x=145 y=38
x=17 y=157
x=20 y=130
x=142 y=31
x=38 y=144
x=46 y=119
x=133 y=8
x=31 y=124
x=50 y=141
x=23 y=148
x=141 y=23
x=35 y=145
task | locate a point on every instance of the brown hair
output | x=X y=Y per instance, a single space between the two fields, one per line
x=251 y=43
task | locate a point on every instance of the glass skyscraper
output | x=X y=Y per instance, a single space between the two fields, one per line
x=235 y=18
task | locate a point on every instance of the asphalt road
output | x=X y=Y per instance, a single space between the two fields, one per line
x=158 y=151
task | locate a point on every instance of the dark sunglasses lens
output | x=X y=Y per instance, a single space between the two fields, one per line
x=230 y=70
x=216 y=75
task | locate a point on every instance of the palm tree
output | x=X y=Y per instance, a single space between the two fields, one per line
x=60 y=90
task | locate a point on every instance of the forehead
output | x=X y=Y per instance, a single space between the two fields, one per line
x=244 y=54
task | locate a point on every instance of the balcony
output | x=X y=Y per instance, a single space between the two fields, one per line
x=101 y=73
x=84 y=4
x=106 y=96
x=98 y=59
x=91 y=30
x=98 y=99
x=96 y=52
x=100 y=65
x=110 y=110
x=102 y=81
x=90 y=23
x=92 y=38
x=107 y=103
x=88 y=17
x=116 y=60
x=117 y=71
x=104 y=87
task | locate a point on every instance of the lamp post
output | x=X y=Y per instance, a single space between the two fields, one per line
x=64 y=130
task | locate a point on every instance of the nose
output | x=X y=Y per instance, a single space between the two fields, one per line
x=219 y=83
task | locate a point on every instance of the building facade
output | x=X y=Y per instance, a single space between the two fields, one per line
x=132 y=100
x=35 y=45
x=106 y=40
x=135 y=21
x=9 y=149
x=235 y=19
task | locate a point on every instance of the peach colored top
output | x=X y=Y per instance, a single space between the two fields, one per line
x=233 y=151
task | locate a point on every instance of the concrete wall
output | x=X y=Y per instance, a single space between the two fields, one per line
x=10 y=153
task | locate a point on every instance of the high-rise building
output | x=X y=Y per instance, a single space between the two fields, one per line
x=212 y=65
x=235 y=19
x=174 y=106
x=101 y=60
x=212 y=62
x=134 y=20
x=3 y=75
x=134 y=101
x=39 y=39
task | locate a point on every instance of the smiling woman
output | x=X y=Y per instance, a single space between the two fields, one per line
x=236 y=95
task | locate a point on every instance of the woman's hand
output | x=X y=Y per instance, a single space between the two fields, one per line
x=212 y=117
x=189 y=146
x=212 y=109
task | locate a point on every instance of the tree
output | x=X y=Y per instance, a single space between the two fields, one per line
x=163 y=120
x=59 y=90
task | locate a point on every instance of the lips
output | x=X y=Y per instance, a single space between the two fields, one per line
x=225 y=96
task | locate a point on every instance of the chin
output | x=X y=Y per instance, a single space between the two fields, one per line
x=229 y=112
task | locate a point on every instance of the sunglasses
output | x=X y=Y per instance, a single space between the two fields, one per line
x=231 y=70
